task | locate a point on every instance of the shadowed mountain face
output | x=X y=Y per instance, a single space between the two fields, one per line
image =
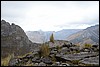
x=43 y=36
x=88 y=35
x=14 y=40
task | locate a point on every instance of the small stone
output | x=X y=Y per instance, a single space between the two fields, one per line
x=42 y=64
x=46 y=60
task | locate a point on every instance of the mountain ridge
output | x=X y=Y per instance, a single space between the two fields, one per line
x=45 y=35
x=14 y=40
x=88 y=35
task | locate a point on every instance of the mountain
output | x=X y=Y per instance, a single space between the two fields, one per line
x=43 y=36
x=88 y=35
x=62 y=34
x=14 y=40
x=35 y=36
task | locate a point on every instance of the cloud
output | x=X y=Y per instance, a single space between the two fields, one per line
x=51 y=15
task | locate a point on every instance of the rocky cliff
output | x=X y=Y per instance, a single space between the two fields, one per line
x=14 y=40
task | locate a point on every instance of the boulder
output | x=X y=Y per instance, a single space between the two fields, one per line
x=74 y=48
x=64 y=50
x=53 y=52
x=95 y=46
x=42 y=64
x=36 y=64
x=68 y=44
x=90 y=61
x=75 y=58
x=36 y=60
x=46 y=60
x=30 y=56
x=56 y=64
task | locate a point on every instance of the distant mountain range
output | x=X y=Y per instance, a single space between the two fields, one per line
x=43 y=36
x=76 y=36
x=89 y=35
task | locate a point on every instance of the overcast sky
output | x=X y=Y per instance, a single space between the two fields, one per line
x=51 y=15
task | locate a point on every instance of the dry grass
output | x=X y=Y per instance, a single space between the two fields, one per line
x=87 y=45
x=52 y=38
x=5 y=61
x=44 y=50
x=21 y=56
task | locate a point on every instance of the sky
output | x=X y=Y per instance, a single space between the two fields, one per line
x=51 y=15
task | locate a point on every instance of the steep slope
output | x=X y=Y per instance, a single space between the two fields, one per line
x=14 y=40
x=88 y=35
x=65 y=33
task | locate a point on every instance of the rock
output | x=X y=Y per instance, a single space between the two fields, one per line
x=51 y=55
x=53 y=52
x=5 y=28
x=13 y=62
x=90 y=61
x=42 y=64
x=86 y=50
x=74 y=48
x=36 y=60
x=46 y=60
x=95 y=46
x=59 y=43
x=98 y=48
x=36 y=64
x=58 y=63
x=75 y=58
x=67 y=44
x=64 y=50
x=59 y=57
x=64 y=64
x=35 y=53
x=30 y=56
x=25 y=60
x=14 y=40
x=36 y=50
x=19 y=59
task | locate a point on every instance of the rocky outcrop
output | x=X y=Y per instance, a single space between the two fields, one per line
x=59 y=43
x=63 y=53
x=92 y=61
x=14 y=40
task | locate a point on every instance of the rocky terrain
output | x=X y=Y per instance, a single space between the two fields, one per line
x=14 y=40
x=67 y=54
x=89 y=35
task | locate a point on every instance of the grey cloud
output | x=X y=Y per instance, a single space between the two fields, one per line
x=16 y=10
x=91 y=22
